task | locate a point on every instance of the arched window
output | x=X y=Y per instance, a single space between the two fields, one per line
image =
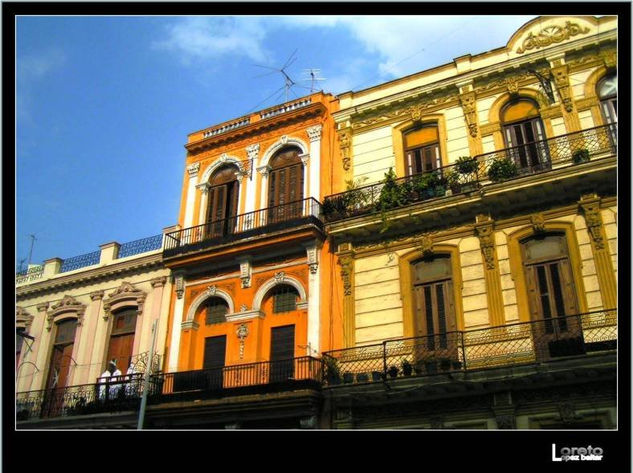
x=223 y=200
x=284 y=298
x=551 y=293
x=122 y=338
x=524 y=135
x=422 y=149
x=607 y=91
x=285 y=184
x=61 y=357
x=215 y=309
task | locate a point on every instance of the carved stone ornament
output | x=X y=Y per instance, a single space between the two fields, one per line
x=67 y=304
x=96 y=295
x=591 y=209
x=314 y=133
x=242 y=333
x=347 y=266
x=22 y=318
x=284 y=139
x=610 y=59
x=193 y=169
x=485 y=233
x=211 y=290
x=313 y=262
x=550 y=35
x=505 y=421
x=126 y=292
x=512 y=84
x=416 y=113
x=280 y=277
x=245 y=273
x=179 y=281
x=344 y=144
x=561 y=79
x=538 y=223
x=224 y=157
x=252 y=151
x=469 y=107
x=425 y=245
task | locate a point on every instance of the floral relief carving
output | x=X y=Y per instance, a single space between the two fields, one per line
x=561 y=79
x=469 y=106
x=485 y=232
x=347 y=267
x=67 y=304
x=125 y=292
x=344 y=144
x=550 y=35
x=590 y=206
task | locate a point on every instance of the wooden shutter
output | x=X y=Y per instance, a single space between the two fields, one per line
x=282 y=347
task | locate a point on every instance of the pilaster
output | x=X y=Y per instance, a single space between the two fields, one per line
x=346 y=255
x=484 y=230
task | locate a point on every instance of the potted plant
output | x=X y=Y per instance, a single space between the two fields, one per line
x=451 y=180
x=502 y=169
x=393 y=371
x=466 y=165
x=333 y=374
x=407 y=369
x=580 y=156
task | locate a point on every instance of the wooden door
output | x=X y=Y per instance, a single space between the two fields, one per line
x=214 y=361
x=282 y=352
x=120 y=349
x=285 y=188
x=529 y=148
x=222 y=209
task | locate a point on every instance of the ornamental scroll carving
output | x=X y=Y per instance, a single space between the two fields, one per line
x=67 y=304
x=484 y=230
x=550 y=35
x=590 y=206
x=469 y=106
x=347 y=267
x=125 y=292
x=345 y=141
x=561 y=79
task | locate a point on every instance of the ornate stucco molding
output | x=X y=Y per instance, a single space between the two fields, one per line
x=484 y=229
x=67 y=306
x=345 y=142
x=246 y=271
x=590 y=205
x=538 y=223
x=125 y=295
x=561 y=79
x=242 y=333
x=179 y=281
x=193 y=169
x=22 y=318
x=551 y=34
x=469 y=107
x=314 y=133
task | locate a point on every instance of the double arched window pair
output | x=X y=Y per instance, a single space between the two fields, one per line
x=285 y=186
x=551 y=292
x=523 y=133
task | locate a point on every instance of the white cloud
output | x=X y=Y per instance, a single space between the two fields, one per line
x=198 y=38
x=35 y=66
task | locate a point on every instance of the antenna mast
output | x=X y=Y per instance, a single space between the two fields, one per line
x=31 y=250
x=312 y=76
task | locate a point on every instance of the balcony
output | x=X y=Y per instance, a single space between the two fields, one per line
x=251 y=378
x=511 y=164
x=123 y=393
x=517 y=344
x=272 y=220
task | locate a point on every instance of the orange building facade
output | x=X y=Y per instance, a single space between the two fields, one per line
x=249 y=258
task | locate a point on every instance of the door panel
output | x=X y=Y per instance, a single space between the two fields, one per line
x=214 y=361
x=282 y=347
x=121 y=347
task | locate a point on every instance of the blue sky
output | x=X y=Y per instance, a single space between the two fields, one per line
x=104 y=104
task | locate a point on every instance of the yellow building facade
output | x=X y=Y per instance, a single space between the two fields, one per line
x=484 y=206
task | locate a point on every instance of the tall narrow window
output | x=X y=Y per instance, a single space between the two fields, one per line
x=434 y=308
x=608 y=94
x=550 y=285
x=285 y=189
x=61 y=357
x=524 y=135
x=122 y=338
x=223 y=201
x=422 y=150
x=282 y=352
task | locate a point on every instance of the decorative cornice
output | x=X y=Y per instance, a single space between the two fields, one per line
x=114 y=270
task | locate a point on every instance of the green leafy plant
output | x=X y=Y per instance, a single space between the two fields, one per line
x=428 y=185
x=502 y=169
x=580 y=156
x=407 y=369
x=466 y=165
x=392 y=195
x=333 y=372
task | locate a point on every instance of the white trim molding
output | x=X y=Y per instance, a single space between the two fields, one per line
x=212 y=291
x=278 y=279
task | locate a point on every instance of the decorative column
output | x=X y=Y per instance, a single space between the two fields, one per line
x=484 y=230
x=345 y=255
x=314 y=297
x=590 y=206
x=192 y=170
x=252 y=152
x=179 y=305
x=314 y=133
x=86 y=354
x=204 y=199
x=263 y=200
x=40 y=347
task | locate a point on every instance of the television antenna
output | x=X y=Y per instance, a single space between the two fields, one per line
x=312 y=75
x=288 y=82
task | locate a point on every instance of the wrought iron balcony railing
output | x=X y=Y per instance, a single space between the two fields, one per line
x=279 y=217
x=117 y=393
x=237 y=379
x=508 y=345
x=510 y=163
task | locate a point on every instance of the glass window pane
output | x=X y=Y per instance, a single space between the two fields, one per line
x=421 y=136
